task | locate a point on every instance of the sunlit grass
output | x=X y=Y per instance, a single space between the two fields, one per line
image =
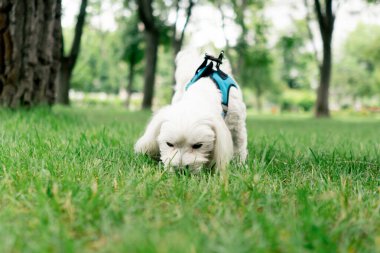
x=69 y=182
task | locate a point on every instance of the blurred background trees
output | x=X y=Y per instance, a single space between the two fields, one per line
x=133 y=50
x=356 y=75
x=127 y=48
x=251 y=48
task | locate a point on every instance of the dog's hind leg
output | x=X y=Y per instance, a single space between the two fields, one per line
x=235 y=120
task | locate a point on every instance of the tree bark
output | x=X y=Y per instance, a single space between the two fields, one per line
x=322 y=106
x=145 y=11
x=326 y=20
x=152 y=40
x=63 y=88
x=30 y=46
x=310 y=33
x=68 y=62
x=177 y=41
x=130 y=83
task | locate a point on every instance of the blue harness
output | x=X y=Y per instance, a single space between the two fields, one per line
x=222 y=81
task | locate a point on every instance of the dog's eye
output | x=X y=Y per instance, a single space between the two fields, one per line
x=196 y=146
x=169 y=144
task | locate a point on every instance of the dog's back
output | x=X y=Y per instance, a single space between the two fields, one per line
x=187 y=62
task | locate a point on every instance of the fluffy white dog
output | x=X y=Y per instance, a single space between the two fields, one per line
x=195 y=130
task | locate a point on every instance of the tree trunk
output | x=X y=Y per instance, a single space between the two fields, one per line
x=130 y=83
x=152 y=40
x=326 y=21
x=68 y=62
x=177 y=42
x=145 y=11
x=322 y=106
x=30 y=49
x=64 y=83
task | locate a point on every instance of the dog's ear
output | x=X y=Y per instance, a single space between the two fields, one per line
x=223 y=150
x=147 y=144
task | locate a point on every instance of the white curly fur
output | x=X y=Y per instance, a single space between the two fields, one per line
x=195 y=117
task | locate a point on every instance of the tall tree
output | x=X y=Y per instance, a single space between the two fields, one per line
x=151 y=32
x=133 y=52
x=178 y=35
x=68 y=61
x=251 y=58
x=326 y=19
x=30 y=48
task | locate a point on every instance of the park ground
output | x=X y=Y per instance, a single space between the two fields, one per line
x=70 y=182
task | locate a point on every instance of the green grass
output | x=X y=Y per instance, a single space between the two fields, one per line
x=69 y=182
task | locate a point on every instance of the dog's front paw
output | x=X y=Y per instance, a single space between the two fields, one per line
x=147 y=146
x=141 y=146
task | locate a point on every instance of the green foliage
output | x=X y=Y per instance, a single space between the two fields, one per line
x=294 y=100
x=99 y=67
x=259 y=67
x=164 y=88
x=70 y=182
x=133 y=40
x=257 y=71
x=357 y=73
x=251 y=57
x=297 y=64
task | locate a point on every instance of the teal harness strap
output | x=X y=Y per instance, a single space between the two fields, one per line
x=222 y=81
x=196 y=77
x=224 y=84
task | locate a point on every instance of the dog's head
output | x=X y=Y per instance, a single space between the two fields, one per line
x=187 y=139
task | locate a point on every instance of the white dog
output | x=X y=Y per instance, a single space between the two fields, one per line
x=196 y=130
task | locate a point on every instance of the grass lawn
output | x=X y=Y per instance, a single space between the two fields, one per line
x=69 y=182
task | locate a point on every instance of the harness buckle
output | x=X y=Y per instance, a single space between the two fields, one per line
x=219 y=60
